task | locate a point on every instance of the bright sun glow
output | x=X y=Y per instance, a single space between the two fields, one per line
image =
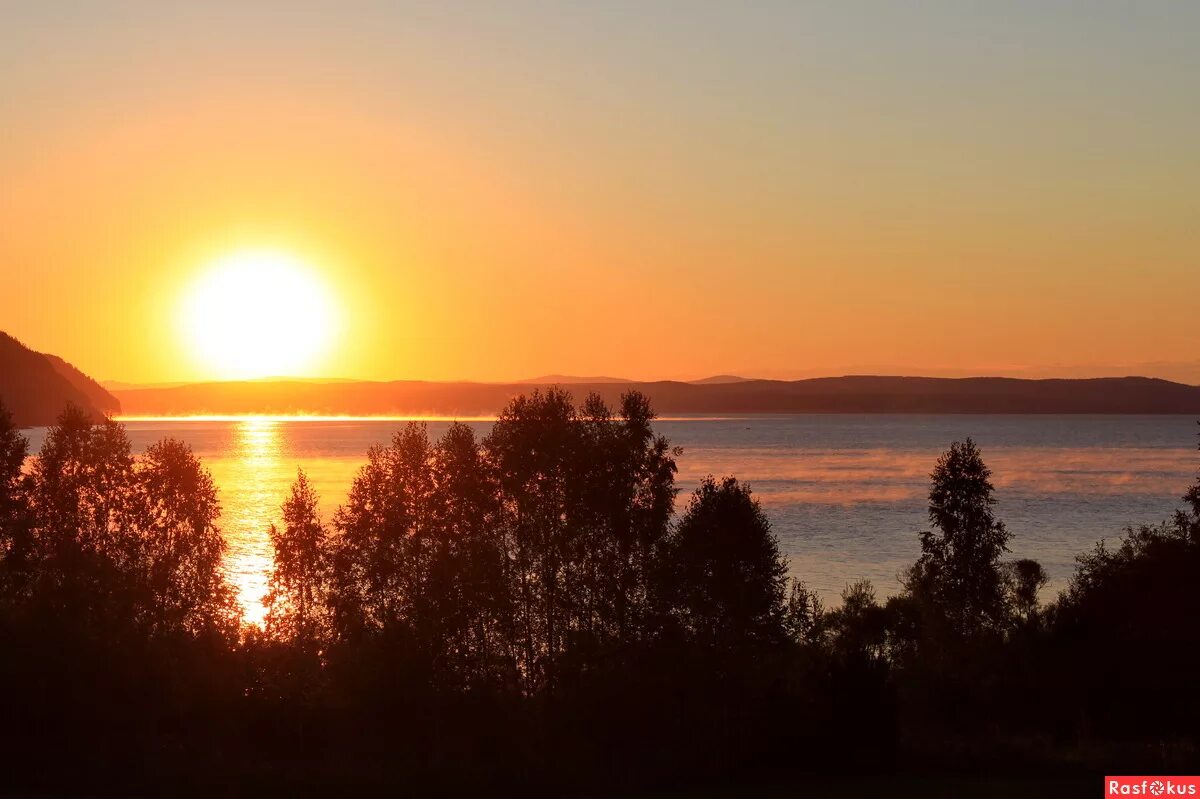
x=258 y=313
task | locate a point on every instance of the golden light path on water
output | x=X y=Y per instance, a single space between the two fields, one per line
x=254 y=468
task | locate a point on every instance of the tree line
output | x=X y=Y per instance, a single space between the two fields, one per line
x=529 y=609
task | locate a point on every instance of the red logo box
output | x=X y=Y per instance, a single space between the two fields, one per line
x=1115 y=787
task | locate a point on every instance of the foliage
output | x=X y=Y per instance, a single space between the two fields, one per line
x=115 y=610
x=1023 y=579
x=958 y=575
x=297 y=592
x=529 y=608
x=723 y=576
x=14 y=526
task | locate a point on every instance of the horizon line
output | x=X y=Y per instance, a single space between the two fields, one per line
x=122 y=385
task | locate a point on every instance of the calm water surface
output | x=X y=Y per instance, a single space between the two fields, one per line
x=845 y=493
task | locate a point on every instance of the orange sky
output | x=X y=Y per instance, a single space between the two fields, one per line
x=643 y=190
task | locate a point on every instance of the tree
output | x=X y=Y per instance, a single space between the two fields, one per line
x=123 y=572
x=534 y=451
x=82 y=498
x=297 y=598
x=1023 y=579
x=585 y=499
x=722 y=575
x=861 y=625
x=1188 y=521
x=958 y=575
x=1124 y=606
x=804 y=616
x=125 y=545
x=14 y=517
x=470 y=598
x=861 y=636
x=175 y=513
x=13 y=450
x=628 y=482
x=381 y=544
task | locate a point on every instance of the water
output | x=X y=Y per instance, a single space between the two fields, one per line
x=845 y=493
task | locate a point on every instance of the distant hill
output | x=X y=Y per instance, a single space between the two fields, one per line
x=705 y=381
x=35 y=387
x=121 y=385
x=96 y=393
x=861 y=394
x=561 y=380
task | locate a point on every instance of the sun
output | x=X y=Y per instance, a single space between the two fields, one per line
x=258 y=313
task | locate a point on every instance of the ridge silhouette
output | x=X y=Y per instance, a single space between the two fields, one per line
x=35 y=386
x=855 y=394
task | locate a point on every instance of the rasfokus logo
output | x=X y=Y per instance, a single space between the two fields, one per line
x=1151 y=786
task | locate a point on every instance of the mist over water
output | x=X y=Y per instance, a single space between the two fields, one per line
x=845 y=493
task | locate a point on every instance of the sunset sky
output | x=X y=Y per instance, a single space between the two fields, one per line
x=496 y=191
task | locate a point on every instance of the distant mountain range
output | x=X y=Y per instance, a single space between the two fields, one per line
x=571 y=380
x=856 y=394
x=720 y=379
x=35 y=386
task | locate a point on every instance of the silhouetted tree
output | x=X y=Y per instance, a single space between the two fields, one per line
x=1129 y=618
x=468 y=575
x=629 y=495
x=534 y=449
x=124 y=542
x=288 y=658
x=174 y=516
x=297 y=597
x=83 y=501
x=1024 y=578
x=723 y=577
x=861 y=625
x=13 y=449
x=526 y=605
x=123 y=621
x=1188 y=521
x=418 y=573
x=382 y=541
x=585 y=500
x=14 y=517
x=861 y=635
x=959 y=573
x=804 y=616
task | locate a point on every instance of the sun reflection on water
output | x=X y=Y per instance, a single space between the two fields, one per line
x=250 y=509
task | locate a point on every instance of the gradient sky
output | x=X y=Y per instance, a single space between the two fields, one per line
x=500 y=190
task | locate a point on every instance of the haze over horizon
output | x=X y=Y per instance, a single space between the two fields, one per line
x=1187 y=373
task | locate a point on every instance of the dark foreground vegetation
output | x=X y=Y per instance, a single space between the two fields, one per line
x=527 y=612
